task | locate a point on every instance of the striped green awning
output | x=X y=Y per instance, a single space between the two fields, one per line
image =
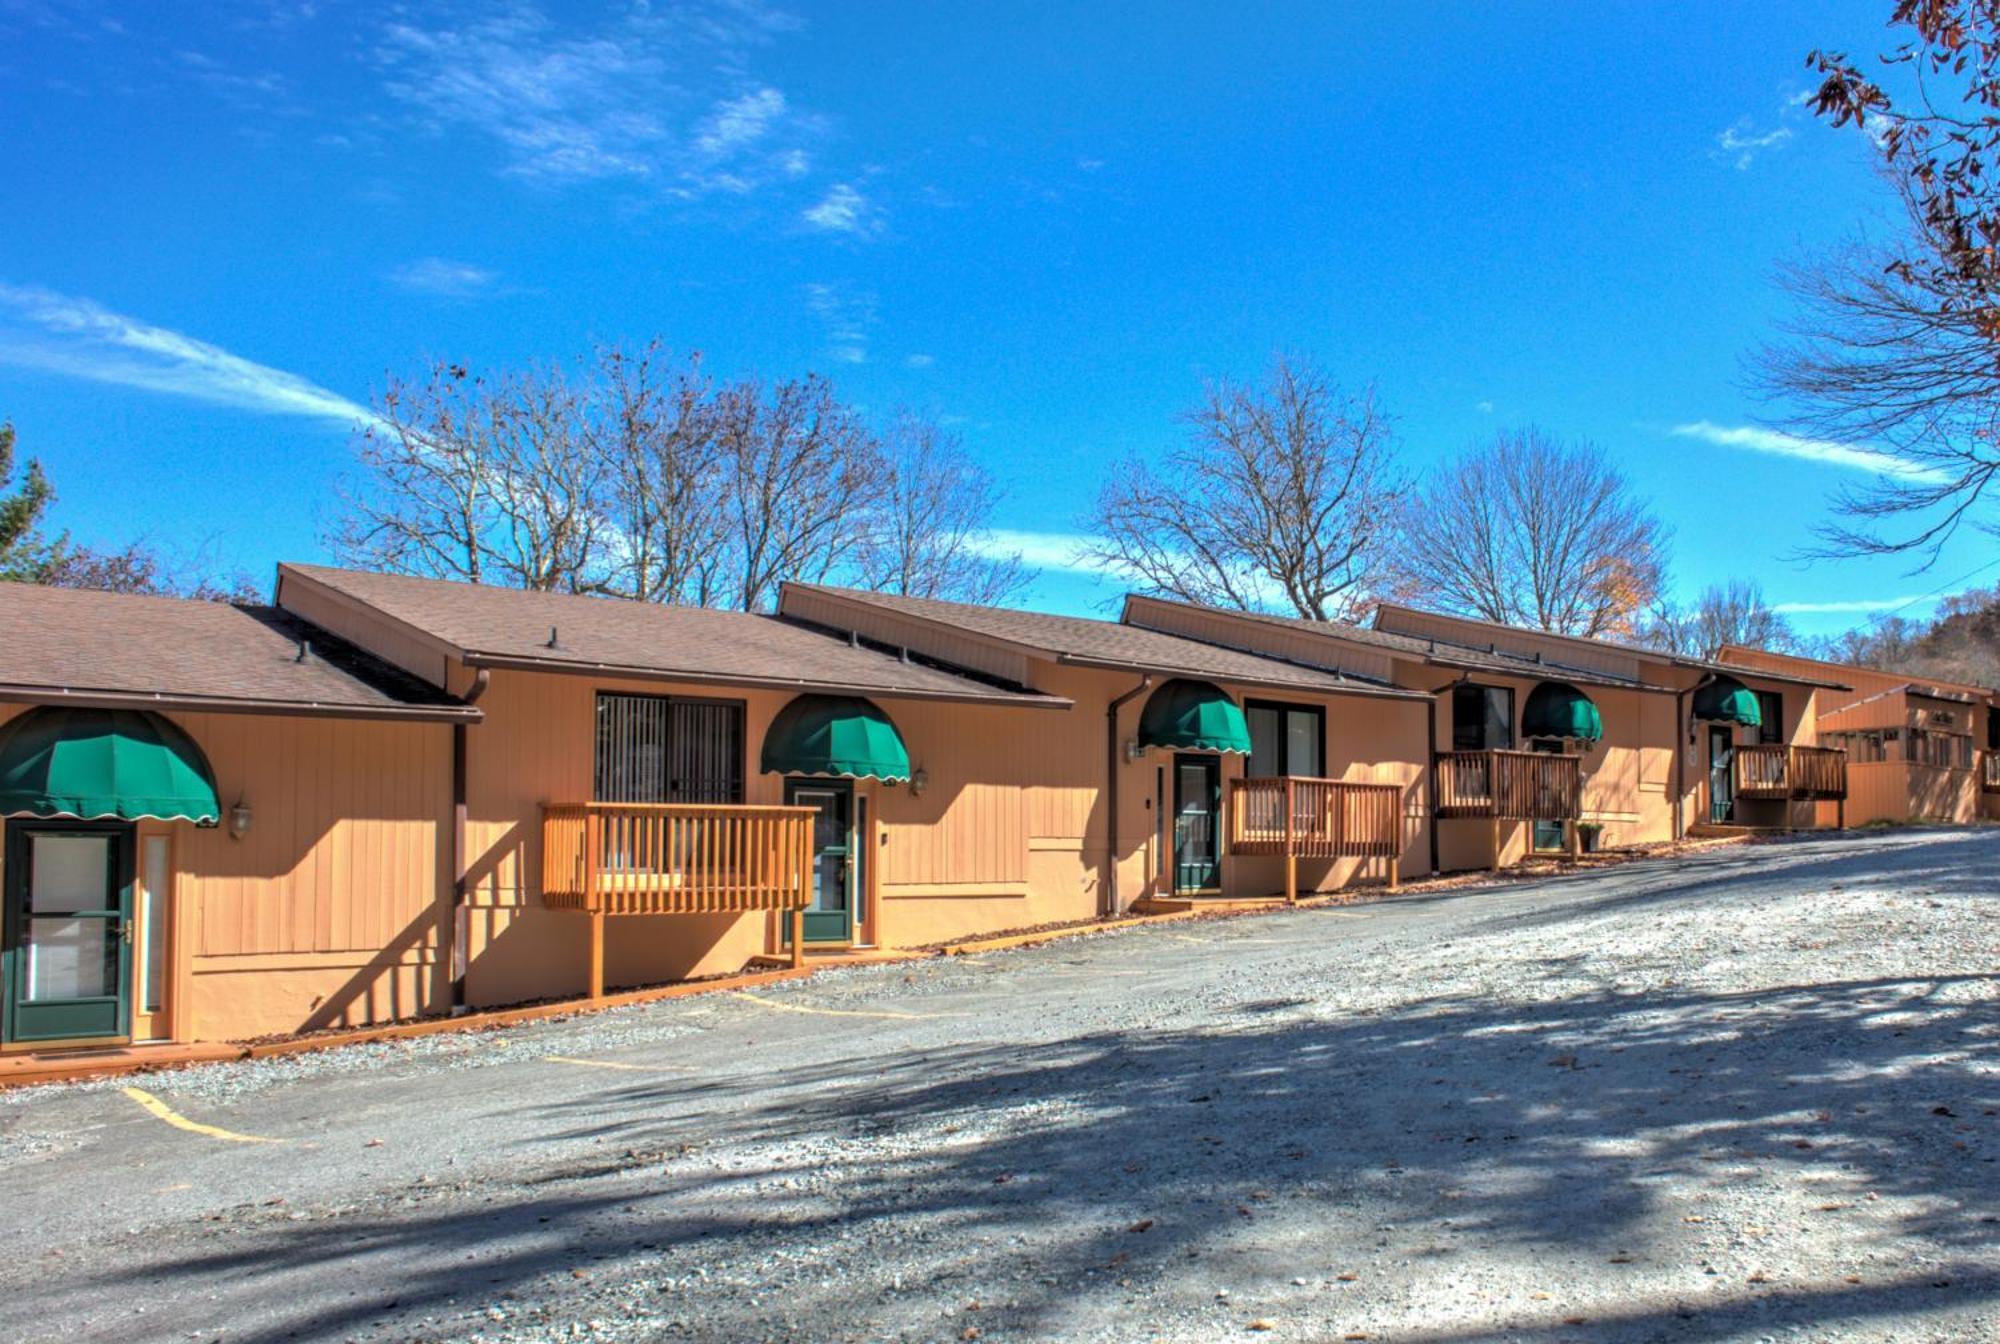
x=838 y=735
x=1558 y=709
x=1187 y=715
x=1727 y=700
x=103 y=763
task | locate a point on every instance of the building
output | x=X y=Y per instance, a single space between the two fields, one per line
x=1917 y=750
x=385 y=797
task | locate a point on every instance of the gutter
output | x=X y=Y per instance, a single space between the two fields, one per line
x=458 y=933
x=1107 y=889
x=218 y=704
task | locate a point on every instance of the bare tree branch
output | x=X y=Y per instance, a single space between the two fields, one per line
x=1529 y=531
x=1281 y=495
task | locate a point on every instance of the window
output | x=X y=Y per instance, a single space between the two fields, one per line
x=1771 y=716
x=664 y=749
x=1285 y=740
x=1993 y=728
x=1482 y=718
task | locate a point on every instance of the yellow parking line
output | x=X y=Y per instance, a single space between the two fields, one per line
x=831 y=1012
x=160 y=1110
x=613 y=1064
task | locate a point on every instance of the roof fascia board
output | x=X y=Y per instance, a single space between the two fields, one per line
x=578 y=667
x=340 y=597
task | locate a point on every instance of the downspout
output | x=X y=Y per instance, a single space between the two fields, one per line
x=460 y=933
x=1107 y=897
x=1683 y=739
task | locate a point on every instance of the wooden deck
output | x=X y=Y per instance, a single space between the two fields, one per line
x=1510 y=785
x=1296 y=817
x=605 y=859
x=1796 y=774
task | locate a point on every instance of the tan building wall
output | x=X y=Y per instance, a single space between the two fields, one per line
x=332 y=910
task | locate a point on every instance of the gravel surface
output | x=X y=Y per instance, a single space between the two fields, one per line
x=1752 y=1094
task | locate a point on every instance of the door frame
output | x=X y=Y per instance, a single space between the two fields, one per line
x=1718 y=816
x=1212 y=765
x=850 y=921
x=12 y=960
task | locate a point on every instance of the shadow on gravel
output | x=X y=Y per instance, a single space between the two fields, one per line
x=1545 y=1129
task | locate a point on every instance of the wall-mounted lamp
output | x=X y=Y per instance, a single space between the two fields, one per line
x=1133 y=751
x=920 y=779
x=239 y=820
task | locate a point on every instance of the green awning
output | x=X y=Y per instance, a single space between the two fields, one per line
x=1728 y=700
x=89 y=763
x=840 y=735
x=1193 y=716
x=1558 y=709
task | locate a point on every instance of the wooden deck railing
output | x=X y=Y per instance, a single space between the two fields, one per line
x=1774 y=770
x=675 y=858
x=1989 y=772
x=1315 y=818
x=1510 y=785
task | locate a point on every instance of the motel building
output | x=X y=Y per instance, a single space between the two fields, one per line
x=381 y=798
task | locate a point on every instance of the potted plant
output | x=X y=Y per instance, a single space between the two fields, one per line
x=1587 y=835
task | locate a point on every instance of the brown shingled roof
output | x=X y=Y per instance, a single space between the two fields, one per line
x=1084 y=641
x=507 y=627
x=70 y=646
x=1442 y=652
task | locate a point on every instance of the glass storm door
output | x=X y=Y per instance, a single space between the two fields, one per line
x=1721 y=774
x=68 y=930
x=1197 y=810
x=830 y=917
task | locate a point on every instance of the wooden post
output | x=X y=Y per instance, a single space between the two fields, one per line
x=597 y=954
x=1496 y=836
x=1291 y=843
x=1573 y=838
x=798 y=937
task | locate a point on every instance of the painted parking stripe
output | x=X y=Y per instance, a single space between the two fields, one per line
x=834 y=1012
x=160 y=1110
x=614 y=1064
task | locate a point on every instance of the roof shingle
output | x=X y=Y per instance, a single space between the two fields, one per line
x=74 y=645
x=487 y=625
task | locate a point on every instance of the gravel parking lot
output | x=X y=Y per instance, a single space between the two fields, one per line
x=1753 y=1094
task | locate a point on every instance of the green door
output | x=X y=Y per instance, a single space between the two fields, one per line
x=1721 y=774
x=830 y=917
x=68 y=932
x=1197 y=818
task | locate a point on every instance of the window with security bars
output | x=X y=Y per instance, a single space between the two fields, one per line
x=664 y=749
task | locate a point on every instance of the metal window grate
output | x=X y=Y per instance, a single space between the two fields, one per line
x=660 y=749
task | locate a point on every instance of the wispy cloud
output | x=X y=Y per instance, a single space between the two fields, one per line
x=848 y=317
x=447 y=279
x=1740 y=145
x=77 y=338
x=918 y=361
x=1040 y=550
x=1863 y=605
x=655 y=95
x=1822 y=451
x=844 y=210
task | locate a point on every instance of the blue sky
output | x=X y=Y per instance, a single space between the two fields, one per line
x=226 y=224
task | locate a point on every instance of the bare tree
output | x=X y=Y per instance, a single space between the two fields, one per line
x=804 y=472
x=1899 y=346
x=1280 y=495
x=491 y=482
x=1725 y=613
x=655 y=431
x=1529 y=531
x=927 y=533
